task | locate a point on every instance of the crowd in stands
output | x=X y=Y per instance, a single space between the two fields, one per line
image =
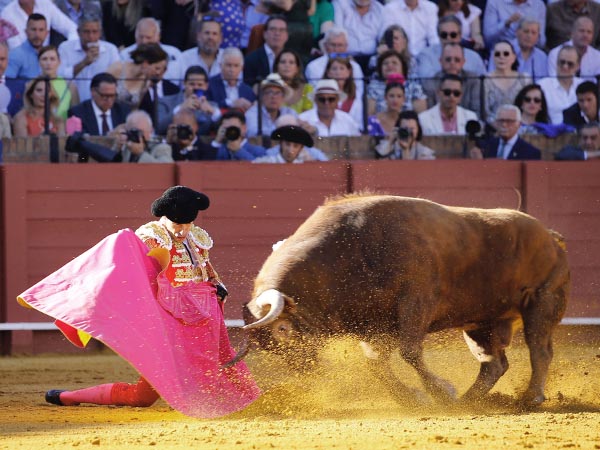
x=194 y=79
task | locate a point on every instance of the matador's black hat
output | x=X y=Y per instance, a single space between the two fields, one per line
x=180 y=204
x=293 y=133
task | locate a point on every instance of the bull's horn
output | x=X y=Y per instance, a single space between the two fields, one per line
x=275 y=300
x=243 y=351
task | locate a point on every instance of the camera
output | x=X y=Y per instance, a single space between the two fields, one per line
x=134 y=135
x=184 y=132
x=473 y=129
x=77 y=143
x=404 y=134
x=232 y=133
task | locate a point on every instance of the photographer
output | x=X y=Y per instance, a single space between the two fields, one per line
x=182 y=136
x=231 y=143
x=135 y=143
x=404 y=140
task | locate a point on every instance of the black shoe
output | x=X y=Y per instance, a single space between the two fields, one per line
x=53 y=397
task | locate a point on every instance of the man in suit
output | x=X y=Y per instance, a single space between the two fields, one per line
x=227 y=89
x=102 y=113
x=259 y=63
x=586 y=108
x=508 y=144
x=589 y=145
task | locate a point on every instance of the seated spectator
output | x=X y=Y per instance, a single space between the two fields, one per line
x=119 y=19
x=502 y=85
x=184 y=139
x=289 y=66
x=585 y=110
x=446 y=117
x=501 y=18
x=102 y=113
x=87 y=56
x=449 y=31
x=417 y=17
x=193 y=98
x=452 y=61
x=136 y=142
x=508 y=144
x=295 y=146
x=230 y=143
x=581 y=39
x=30 y=121
x=384 y=122
x=74 y=9
x=470 y=19
x=588 y=148
x=531 y=101
x=147 y=31
x=561 y=16
x=176 y=19
x=68 y=95
x=5 y=94
x=23 y=61
x=254 y=15
x=208 y=53
x=532 y=60
x=321 y=20
x=391 y=63
x=273 y=93
x=227 y=89
x=560 y=92
x=404 y=140
x=260 y=63
x=339 y=69
x=326 y=117
x=394 y=38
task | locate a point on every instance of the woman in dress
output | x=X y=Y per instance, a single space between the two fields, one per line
x=29 y=121
x=383 y=123
x=67 y=92
x=534 y=109
x=470 y=18
x=339 y=69
x=289 y=66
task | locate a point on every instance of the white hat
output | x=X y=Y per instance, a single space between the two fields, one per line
x=275 y=80
x=327 y=86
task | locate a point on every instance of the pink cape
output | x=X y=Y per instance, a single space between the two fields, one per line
x=110 y=292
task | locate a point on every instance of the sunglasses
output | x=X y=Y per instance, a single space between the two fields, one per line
x=449 y=92
x=324 y=100
x=505 y=53
x=527 y=99
x=445 y=34
x=450 y=59
x=564 y=62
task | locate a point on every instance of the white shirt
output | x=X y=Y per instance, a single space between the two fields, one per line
x=270 y=57
x=507 y=146
x=55 y=19
x=174 y=73
x=72 y=54
x=590 y=62
x=362 y=30
x=191 y=57
x=557 y=97
x=342 y=124
x=316 y=68
x=420 y=24
x=98 y=113
x=5 y=96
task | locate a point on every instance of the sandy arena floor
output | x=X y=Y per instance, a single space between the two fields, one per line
x=340 y=406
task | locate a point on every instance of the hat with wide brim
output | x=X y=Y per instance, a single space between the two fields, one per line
x=327 y=86
x=275 y=80
x=180 y=204
x=293 y=133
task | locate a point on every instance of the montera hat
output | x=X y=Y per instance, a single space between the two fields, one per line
x=293 y=133
x=180 y=204
x=327 y=86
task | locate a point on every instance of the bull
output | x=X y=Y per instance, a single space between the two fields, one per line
x=377 y=266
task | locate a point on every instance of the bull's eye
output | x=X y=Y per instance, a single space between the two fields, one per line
x=282 y=330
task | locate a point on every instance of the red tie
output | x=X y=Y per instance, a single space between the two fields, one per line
x=105 y=128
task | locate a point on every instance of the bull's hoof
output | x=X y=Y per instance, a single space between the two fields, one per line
x=531 y=400
x=443 y=391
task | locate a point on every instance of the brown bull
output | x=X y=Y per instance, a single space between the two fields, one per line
x=374 y=266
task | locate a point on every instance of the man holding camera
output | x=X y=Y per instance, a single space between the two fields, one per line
x=182 y=136
x=231 y=144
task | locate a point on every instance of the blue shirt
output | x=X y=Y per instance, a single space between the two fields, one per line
x=247 y=152
x=23 y=62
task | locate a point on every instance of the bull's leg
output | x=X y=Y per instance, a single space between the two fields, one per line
x=487 y=345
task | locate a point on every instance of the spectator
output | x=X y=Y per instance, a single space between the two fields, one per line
x=18 y=11
x=260 y=63
x=207 y=54
x=322 y=19
x=589 y=145
x=184 y=139
x=232 y=19
x=335 y=41
x=119 y=19
x=585 y=110
x=273 y=93
x=384 y=122
x=560 y=92
x=24 y=59
x=5 y=94
x=289 y=66
x=177 y=18
x=254 y=14
x=446 y=117
x=394 y=38
x=226 y=89
x=501 y=18
x=295 y=146
x=470 y=19
x=581 y=39
x=452 y=62
x=147 y=31
x=508 y=144
x=135 y=141
x=417 y=17
x=329 y=120
x=30 y=121
x=531 y=101
x=68 y=95
x=192 y=98
x=532 y=60
x=561 y=16
x=11 y=90
x=339 y=69
x=83 y=58
x=449 y=31
x=75 y=9
x=404 y=141
x=390 y=63
x=230 y=143
x=102 y=113
x=7 y=29
x=502 y=85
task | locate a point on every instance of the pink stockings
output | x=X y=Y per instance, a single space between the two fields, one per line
x=121 y=394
